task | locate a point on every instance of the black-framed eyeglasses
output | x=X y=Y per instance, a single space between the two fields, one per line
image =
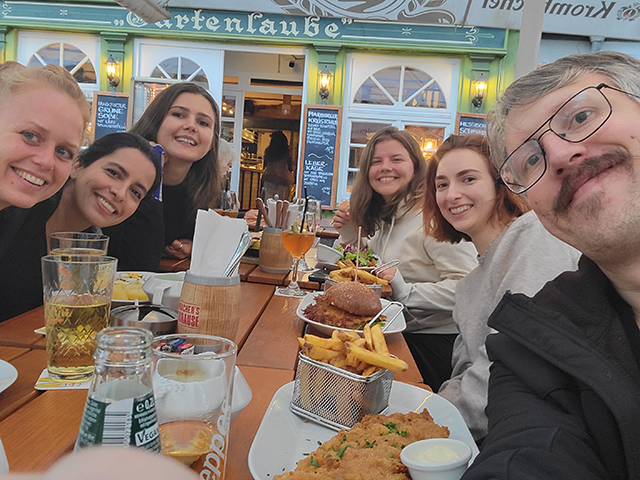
x=576 y=120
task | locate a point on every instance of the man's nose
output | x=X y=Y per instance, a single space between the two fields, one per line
x=562 y=156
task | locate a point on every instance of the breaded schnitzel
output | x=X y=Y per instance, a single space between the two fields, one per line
x=370 y=450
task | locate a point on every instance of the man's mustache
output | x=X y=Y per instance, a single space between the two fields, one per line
x=589 y=168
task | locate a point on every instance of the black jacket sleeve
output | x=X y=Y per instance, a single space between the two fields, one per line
x=534 y=432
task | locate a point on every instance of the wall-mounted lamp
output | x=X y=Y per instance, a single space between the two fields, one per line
x=112 y=67
x=324 y=80
x=480 y=89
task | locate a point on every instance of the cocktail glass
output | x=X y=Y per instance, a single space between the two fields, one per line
x=297 y=239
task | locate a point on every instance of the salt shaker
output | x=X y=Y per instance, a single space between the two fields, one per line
x=120 y=409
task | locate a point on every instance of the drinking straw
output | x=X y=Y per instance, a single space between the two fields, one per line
x=304 y=210
x=355 y=279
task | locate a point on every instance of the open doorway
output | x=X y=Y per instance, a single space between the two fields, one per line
x=262 y=94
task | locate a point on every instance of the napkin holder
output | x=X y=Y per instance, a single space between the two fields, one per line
x=209 y=306
x=274 y=258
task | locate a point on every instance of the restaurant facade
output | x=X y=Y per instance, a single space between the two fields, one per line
x=264 y=68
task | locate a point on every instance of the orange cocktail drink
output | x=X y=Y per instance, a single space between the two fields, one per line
x=297 y=244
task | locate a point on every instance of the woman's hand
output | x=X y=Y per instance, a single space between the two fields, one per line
x=251 y=217
x=342 y=216
x=179 y=248
x=388 y=274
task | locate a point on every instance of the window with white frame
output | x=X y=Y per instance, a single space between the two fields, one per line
x=78 y=54
x=414 y=94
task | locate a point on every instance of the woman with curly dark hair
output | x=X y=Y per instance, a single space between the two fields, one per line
x=386 y=202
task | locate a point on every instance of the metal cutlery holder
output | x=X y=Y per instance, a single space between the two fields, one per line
x=337 y=398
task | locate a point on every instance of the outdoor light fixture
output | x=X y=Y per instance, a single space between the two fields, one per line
x=480 y=88
x=324 y=80
x=112 y=67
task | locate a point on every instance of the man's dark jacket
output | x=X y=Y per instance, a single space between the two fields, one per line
x=564 y=392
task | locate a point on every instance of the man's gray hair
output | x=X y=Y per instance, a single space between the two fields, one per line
x=622 y=70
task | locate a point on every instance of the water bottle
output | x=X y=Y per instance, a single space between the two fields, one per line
x=120 y=409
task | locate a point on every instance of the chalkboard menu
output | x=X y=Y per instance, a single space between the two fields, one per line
x=320 y=145
x=109 y=113
x=467 y=123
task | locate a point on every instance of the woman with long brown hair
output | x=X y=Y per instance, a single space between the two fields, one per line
x=466 y=201
x=184 y=120
x=386 y=202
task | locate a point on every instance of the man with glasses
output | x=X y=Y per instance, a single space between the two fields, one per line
x=564 y=393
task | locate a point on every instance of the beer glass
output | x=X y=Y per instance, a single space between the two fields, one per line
x=78 y=243
x=192 y=385
x=77 y=302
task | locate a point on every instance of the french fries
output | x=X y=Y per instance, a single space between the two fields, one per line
x=349 y=351
x=347 y=274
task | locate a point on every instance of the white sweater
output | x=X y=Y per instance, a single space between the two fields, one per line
x=521 y=259
x=428 y=272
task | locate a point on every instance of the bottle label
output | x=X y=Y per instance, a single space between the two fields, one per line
x=128 y=422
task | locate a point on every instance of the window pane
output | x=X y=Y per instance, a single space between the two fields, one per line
x=50 y=54
x=355 y=153
x=350 y=178
x=226 y=131
x=361 y=132
x=170 y=66
x=430 y=97
x=414 y=79
x=370 y=93
x=188 y=68
x=429 y=138
x=389 y=78
x=72 y=56
x=34 y=62
x=228 y=106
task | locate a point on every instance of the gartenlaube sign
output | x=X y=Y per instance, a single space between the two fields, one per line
x=611 y=19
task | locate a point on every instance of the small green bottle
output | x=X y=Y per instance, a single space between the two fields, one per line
x=120 y=409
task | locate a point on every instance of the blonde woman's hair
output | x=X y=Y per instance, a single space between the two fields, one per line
x=15 y=78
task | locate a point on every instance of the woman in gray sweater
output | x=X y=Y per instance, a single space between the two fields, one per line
x=516 y=253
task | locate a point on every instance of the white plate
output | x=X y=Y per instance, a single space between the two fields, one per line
x=8 y=375
x=398 y=325
x=283 y=438
x=123 y=275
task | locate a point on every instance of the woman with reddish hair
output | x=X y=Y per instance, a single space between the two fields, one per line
x=465 y=200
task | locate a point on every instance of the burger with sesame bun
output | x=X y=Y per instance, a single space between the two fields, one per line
x=345 y=305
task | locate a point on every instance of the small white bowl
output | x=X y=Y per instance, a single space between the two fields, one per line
x=447 y=470
x=327 y=254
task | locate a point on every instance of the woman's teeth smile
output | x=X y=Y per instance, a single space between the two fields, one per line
x=386 y=179
x=460 y=209
x=106 y=205
x=29 y=178
x=188 y=141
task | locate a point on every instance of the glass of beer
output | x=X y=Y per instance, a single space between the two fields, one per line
x=192 y=385
x=78 y=243
x=77 y=302
x=297 y=239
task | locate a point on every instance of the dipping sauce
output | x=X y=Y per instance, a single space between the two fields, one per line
x=436 y=454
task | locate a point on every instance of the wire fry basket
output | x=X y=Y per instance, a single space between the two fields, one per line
x=337 y=398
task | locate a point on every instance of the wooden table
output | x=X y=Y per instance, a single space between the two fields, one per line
x=37 y=428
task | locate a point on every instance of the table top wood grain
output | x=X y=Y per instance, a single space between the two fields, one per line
x=38 y=427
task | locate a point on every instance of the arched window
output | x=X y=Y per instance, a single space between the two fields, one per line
x=68 y=56
x=181 y=69
x=401 y=86
x=396 y=91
